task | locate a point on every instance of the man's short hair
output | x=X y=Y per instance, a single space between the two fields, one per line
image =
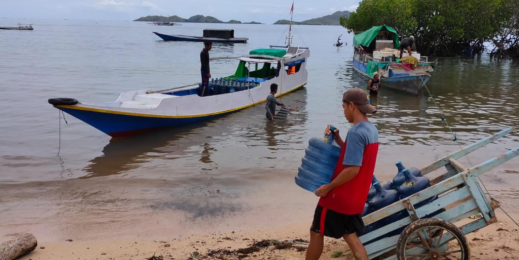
x=208 y=43
x=273 y=87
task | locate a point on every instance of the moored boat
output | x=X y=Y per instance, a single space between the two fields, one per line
x=375 y=52
x=145 y=109
x=21 y=27
x=221 y=36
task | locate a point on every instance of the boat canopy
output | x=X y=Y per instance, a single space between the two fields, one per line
x=366 y=38
x=253 y=60
x=219 y=33
x=269 y=52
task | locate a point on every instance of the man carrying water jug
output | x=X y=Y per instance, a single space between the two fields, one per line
x=338 y=213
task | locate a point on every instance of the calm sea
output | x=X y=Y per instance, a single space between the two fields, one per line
x=240 y=153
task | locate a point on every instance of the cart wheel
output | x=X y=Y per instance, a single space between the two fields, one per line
x=423 y=240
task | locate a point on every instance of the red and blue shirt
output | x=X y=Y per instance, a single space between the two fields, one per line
x=359 y=149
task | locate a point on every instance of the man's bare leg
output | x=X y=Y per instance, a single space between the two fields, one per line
x=315 y=248
x=357 y=248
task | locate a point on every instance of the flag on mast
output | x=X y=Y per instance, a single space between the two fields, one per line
x=292 y=9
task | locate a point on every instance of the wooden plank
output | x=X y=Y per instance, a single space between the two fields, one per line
x=421 y=212
x=494 y=162
x=415 y=198
x=443 y=201
x=460 y=153
x=382 y=246
x=478 y=196
x=456 y=165
x=453 y=213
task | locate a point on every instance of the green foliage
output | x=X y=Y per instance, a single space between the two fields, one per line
x=440 y=27
x=336 y=254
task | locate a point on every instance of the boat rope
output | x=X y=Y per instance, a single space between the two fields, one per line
x=283 y=34
x=468 y=158
x=306 y=45
x=60 y=112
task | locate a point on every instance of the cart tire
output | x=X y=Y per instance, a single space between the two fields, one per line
x=409 y=239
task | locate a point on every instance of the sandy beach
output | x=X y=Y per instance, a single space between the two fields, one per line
x=497 y=241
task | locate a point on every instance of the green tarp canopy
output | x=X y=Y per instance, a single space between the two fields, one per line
x=269 y=52
x=366 y=38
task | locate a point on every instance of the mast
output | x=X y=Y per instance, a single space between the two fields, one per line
x=289 y=36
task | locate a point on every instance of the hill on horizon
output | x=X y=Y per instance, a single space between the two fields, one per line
x=332 y=19
x=193 y=19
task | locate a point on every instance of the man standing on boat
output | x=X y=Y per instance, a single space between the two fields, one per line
x=271 y=103
x=406 y=44
x=204 y=61
x=338 y=213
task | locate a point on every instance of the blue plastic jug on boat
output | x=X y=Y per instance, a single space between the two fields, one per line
x=400 y=178
x=412 y=184
x=382 y=197
x=319 y=162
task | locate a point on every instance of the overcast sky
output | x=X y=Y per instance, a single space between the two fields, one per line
x=265 y=11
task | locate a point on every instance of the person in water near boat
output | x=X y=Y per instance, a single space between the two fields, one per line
x=271 y=103
x=374 y=85
x=407 y=44
x=341 y=203
x=204 y=68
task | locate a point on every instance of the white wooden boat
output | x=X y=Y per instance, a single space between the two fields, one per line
x=145 y=109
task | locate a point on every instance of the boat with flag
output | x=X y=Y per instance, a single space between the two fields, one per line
x=140 y=110
x=376 y=51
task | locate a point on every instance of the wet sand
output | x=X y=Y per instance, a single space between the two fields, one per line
x=497 y=241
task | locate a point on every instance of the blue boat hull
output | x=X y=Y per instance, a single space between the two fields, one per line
x=409 y=84
x=198 y=39
x=120 y=125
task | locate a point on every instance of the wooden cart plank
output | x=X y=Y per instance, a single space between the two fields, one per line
x=421 y=212
x=460 y=153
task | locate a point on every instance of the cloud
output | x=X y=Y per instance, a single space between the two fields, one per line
x=125 y=6
x=333 y=9
x=351 y=8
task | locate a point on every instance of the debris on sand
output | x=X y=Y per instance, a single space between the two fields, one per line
x=155 y=257
x=254 y=248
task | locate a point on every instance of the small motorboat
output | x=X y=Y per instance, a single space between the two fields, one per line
x=20 y=27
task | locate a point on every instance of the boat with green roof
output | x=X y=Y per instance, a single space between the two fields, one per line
x=139 y=110
x=376 y=50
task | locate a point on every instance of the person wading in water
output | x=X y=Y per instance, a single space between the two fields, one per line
x=204 y=68
x=342 y=201
x=271 y=103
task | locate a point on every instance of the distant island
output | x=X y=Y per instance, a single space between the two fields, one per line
x=192 y=19
x=333 y=19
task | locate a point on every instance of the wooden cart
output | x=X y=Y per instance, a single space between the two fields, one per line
x=428 y=230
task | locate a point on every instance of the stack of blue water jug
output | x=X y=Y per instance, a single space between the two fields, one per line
x=319 y=162
x=224 y=85
x=406 y=183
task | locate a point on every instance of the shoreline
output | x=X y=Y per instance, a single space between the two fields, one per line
x=497 y=241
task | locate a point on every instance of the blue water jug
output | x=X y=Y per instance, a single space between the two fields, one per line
x=412 y=184
x=367 y=210
x=382 y=198
x=372 y=191
x=319 y=162
x=400 y=178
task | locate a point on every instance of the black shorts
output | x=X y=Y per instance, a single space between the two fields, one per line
x=334 y=224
